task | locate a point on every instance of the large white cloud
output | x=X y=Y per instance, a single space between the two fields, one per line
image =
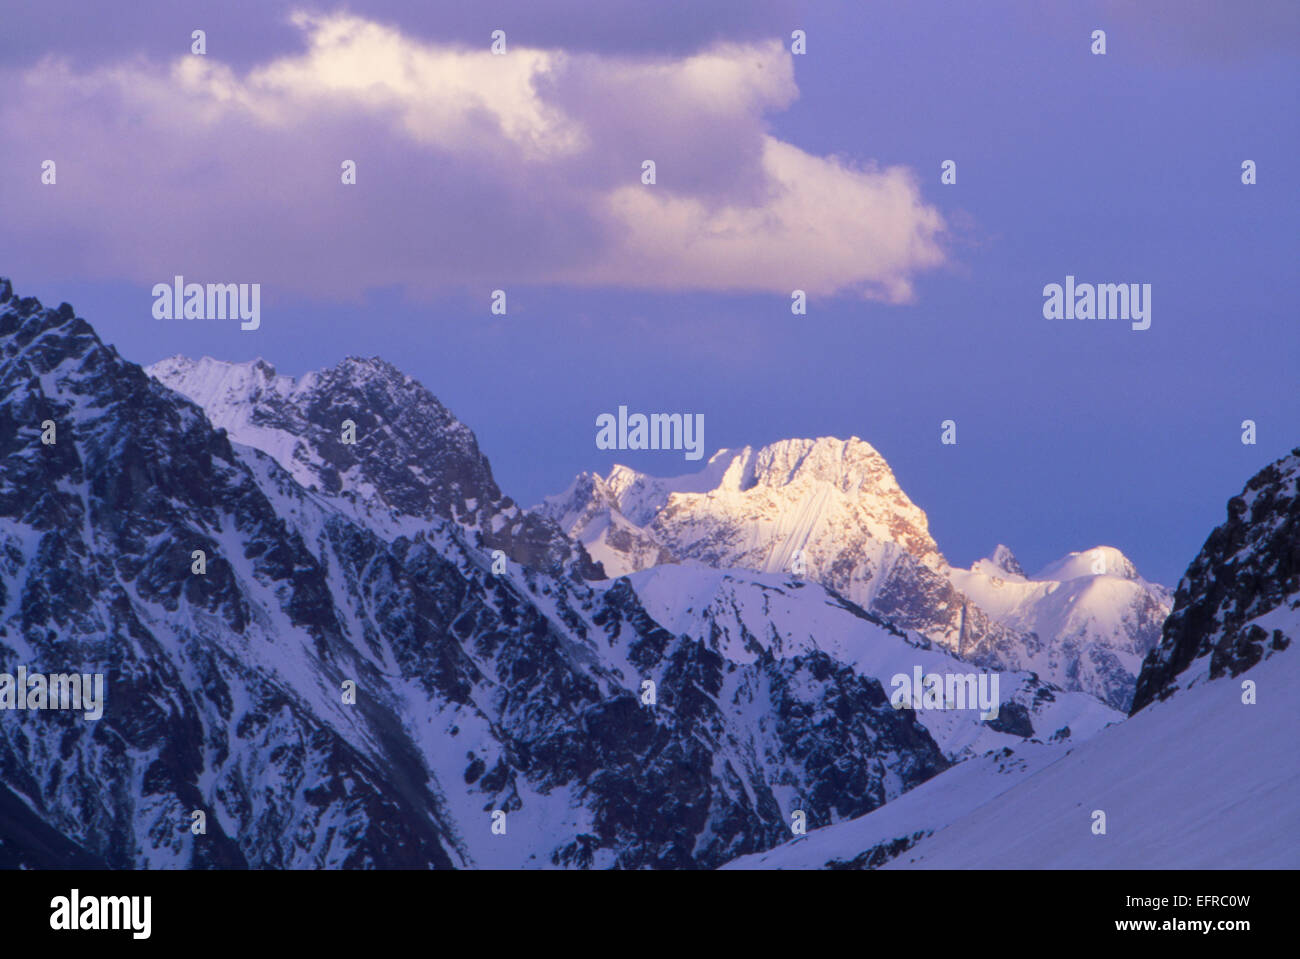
x=473 y=169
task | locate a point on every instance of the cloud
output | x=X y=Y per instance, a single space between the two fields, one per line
x=823 y=227
x=474 y=170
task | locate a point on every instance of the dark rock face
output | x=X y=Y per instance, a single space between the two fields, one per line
x=1013 y=718
x=421 y=460
x=226 y=691
x=1248 y=567
x=1006 y=560
x=881 y=853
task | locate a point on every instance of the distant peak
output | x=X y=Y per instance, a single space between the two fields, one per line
x=620 y=474
x=850 y=465
x=1098 y=561
x=182 y=362
x=1005 y=560
x=38 y=319
x=853 y=447
x=368 y=363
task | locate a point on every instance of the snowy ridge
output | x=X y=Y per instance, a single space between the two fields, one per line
x=1102 y=617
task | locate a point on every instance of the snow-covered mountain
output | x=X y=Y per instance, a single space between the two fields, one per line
x=411 y=461
x=673 y=717
x=523 y=692
x=1203 y=775
x=832 y=510
x=1098 y=618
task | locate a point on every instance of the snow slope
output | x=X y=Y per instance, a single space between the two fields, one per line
x=1199 y=781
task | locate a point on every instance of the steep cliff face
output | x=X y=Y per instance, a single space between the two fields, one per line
x=1238 y=601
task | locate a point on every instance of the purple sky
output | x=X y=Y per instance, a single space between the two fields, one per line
x=819 y=172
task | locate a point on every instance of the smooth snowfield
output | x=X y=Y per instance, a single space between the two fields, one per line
x=1199 y=781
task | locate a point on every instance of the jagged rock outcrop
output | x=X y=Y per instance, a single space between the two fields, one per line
x=1238 y=601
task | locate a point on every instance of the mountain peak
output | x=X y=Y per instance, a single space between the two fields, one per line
x=47 y=336
x=1098 y=561
x=368 y=434
x=819 y=503
x=359 y=368
x=223 y=388
x=1005 y=560
x=848 y=464
x=411 y=453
